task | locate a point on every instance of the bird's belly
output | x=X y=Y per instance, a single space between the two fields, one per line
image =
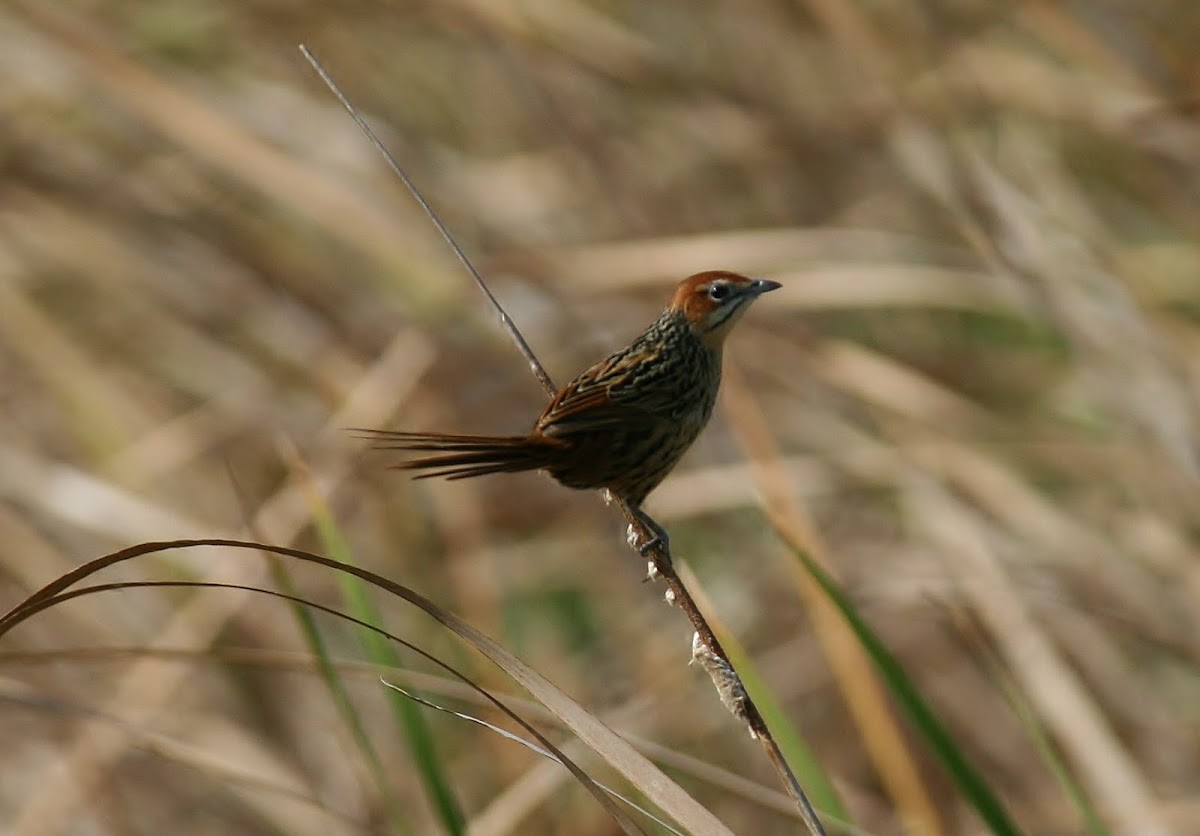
x=646 y=456
x=632 y=458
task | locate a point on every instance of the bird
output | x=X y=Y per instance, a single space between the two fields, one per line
x=625 y=422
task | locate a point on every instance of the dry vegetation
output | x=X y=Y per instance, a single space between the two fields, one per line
x=982 y=375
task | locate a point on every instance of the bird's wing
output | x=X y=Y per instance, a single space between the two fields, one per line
x=594 y=399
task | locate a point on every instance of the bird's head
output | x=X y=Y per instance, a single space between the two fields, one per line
x=713 y=301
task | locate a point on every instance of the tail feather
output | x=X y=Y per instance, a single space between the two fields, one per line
x=466 y=456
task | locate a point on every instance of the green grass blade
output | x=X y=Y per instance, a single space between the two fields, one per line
x=969 y=781
x=380 y=652
x=800 y=758
x=816 y=783
x=328 y=672
x=1049 y=752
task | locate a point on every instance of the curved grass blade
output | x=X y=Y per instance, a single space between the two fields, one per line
x=61 y=597
x=648 y=778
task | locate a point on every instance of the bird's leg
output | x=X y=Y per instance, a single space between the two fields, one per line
x=658 y=539
x=634 y=537
x=635 y=534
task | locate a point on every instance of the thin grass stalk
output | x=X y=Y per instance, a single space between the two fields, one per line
x=706 y=649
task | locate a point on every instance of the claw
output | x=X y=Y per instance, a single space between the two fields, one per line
x=660 y=538
x=654 y=542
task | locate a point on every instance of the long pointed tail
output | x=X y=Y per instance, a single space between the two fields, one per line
x=465 y=456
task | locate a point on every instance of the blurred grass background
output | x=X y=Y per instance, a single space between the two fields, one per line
x=982 y=376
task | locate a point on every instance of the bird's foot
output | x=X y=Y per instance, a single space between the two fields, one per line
x=659 y=538
x=652 y=573
x=643 y=546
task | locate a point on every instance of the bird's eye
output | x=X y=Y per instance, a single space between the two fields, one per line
x=718 y=292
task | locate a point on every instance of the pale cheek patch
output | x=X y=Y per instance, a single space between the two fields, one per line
x=725 y=316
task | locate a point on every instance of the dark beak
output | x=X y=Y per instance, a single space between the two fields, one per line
x=761 y=286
